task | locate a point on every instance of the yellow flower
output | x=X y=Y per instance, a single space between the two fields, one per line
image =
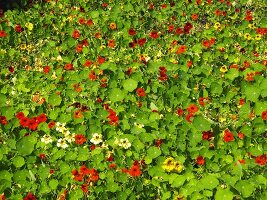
x=217 y=25
x=224 y=69
x=29 y=26
x=178 y=166
x=207 y=26
x=247 y=36
x=169 y=164
x=252 y=26
x=258 y=37
x=23 y=46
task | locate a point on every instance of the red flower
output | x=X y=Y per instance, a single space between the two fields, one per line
x=189 y=63
x=88 y=63
x=131 y=32
x=180 y=111
x=92 y=147
x=140 y=92
x=80 y=139
x=82 y=21
x=206 y=43
x=181 y=49
x=3 y=120
x=18 y=28
x=84 y=188
x=179 y=31
x=194 y=16
x=51 y=171
x=42 y=156
x=200 y=160
x=92 y=76
x=261 y=160
x=32 y=124
x=242 y=101
x=112 y=166
x=51 y=124
x=188 y=117
x=141 y=41
x=101 y=60
x=111 y=43
x=135 y=171
x=170 y=28
x=46 y=69
x=2 y=197
x=90 y=22
x=78 y=177
x=11 y=69
x=228 y=136
x=158 y=142
x=68 y=66
x=154 y=34
x=201 y=101
x=212 y=41
x=24 y=121
x=41 y=118
x=218 y=12
x=79 y=48
x=241 y=135
x=264 y=115
x=207 y=135
x=192 y=108
x=3 y=34
x=75 y=34
x=84 y=170
x=30 y=196
x=74 y=172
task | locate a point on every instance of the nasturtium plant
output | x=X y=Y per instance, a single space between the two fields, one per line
x=133 y=99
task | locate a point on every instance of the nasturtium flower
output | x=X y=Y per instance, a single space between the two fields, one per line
x=223 y=69
x=23 y=46
x=135 y=171
x=200 y=160
x=80 y=139
x=252 y=26
x=258 y=37
x=247 y=36
x=60 y=127
x=29 y=26
x=47 y=139
x=261 y=160
x=70 y=137
x=125 y=143
x=62 y=143
x=217 y=25
x=169 y=164
x=228 y=136
x=178 y=166
x=96 y=139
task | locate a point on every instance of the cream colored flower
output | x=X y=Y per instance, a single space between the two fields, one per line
x=47 y=139
x=96 y=139
x=125 y=143
x=139 y=125
x=60 y=127
x=62 y=143
x=70 y=137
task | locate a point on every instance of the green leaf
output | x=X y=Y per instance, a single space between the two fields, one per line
x=26 y=145
x=1 y=154
x=216 y=88
x=94 y=14
x=201 y=123
x=223 y=194
x=54 y=100
x=209 y=182
x=245 y=187
x=2 y=100
x=129 y=84
x=5 y=175
x=260 y=107
x=252 y=93
x=53 y=184
x=153 y=152
x=116 y=95
x=18 y=161
x=83 y=154
x=232 y=74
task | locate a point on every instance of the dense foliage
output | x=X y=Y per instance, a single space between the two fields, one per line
x=134 y=100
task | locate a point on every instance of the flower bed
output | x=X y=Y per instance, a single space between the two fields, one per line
x=134 y=100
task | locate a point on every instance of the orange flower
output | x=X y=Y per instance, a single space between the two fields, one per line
x=112 y=26
x=75 y=34
x=192 y=108
x=78 y=114
x=181 y=49
x=68 y=66
x=111 y=43
x=194 y=16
